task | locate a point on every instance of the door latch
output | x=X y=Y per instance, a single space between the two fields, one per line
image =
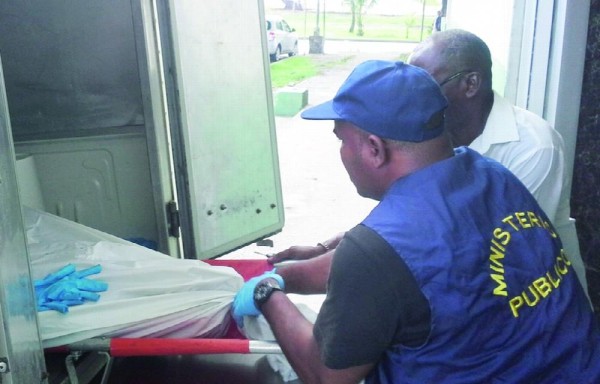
x=173 y=219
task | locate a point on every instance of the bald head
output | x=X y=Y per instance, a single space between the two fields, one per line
x=461 y=64
x=452 y=51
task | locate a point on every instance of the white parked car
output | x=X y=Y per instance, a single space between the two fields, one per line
x=281 y=38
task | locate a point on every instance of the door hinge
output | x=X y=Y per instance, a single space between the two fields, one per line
x=173 y=218
x=4 y=367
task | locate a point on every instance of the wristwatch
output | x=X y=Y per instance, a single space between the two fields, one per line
x=264 y=290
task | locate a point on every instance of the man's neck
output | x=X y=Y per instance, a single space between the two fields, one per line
x=473 y=121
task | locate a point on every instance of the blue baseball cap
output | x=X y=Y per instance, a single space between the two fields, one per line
x=392 y=100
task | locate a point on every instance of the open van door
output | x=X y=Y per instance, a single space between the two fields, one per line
x=222 y=124
x=151 y=120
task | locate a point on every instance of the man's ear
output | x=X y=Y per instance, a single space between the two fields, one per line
x=474 y=81
x=377 y=151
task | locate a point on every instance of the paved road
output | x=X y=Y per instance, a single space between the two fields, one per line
x=353 y=46
x=318 y=196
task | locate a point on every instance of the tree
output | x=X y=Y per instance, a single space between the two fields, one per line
x=294 y=5
x=356 y=7
x=353 y=12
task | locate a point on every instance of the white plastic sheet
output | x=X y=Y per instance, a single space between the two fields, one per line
x=149 y=294
x=258 y=328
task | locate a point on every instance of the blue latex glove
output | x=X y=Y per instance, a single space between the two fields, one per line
x=243 y=304
x=53 y=277
x=67 y=287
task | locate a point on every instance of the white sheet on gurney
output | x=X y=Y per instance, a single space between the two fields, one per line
x=149 y=294
x=258 y=328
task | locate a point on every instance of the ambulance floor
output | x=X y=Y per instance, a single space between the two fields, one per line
x=188 y=369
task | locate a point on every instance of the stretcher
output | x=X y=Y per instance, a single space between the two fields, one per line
x=233 y=342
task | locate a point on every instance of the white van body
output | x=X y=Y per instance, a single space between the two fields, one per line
x=137 y=118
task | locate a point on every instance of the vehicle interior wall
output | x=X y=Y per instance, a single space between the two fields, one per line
x=75 y=101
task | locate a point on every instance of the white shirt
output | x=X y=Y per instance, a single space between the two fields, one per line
x=528 y=146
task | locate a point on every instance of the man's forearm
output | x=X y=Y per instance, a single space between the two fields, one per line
x=307 y=276
x=294 y=334
x=295 y=337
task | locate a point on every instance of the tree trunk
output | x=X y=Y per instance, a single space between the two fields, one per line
x=353 y=11
x=360 y=32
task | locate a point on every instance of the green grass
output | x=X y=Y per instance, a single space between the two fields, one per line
x=293 y=70
x=376 y=27
x=290 y=71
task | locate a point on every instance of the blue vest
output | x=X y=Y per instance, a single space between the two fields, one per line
x=506 y=306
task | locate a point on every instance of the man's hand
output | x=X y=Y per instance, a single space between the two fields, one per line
x=304 y=252
x=297 y=252
x=243 y=304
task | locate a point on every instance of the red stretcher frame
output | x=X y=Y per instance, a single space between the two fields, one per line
x=232 y=342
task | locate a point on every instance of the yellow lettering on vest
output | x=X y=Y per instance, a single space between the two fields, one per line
x=555 y=283
x=500 y=290
x=502 y=236
x=516 y=303
x=549 y=228
x=565 y=257
x=508 y=220
x=498 y=245
x=560 y=266
x=533 y=219
x=522 y=219
x=542 y=286
x=536 y=297
x=496 y=257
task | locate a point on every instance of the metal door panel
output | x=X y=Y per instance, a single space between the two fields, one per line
x=21 y=357
x=226 y=125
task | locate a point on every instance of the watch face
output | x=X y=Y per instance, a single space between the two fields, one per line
x=263 y=291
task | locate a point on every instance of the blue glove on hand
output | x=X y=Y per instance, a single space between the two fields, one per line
x=66 y=287
x=243 y=304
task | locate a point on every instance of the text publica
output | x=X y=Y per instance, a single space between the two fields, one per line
x=542 y=286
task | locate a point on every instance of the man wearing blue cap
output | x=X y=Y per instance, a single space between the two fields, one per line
x=456 y=276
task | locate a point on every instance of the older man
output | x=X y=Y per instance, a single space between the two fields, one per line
x=483 y=120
